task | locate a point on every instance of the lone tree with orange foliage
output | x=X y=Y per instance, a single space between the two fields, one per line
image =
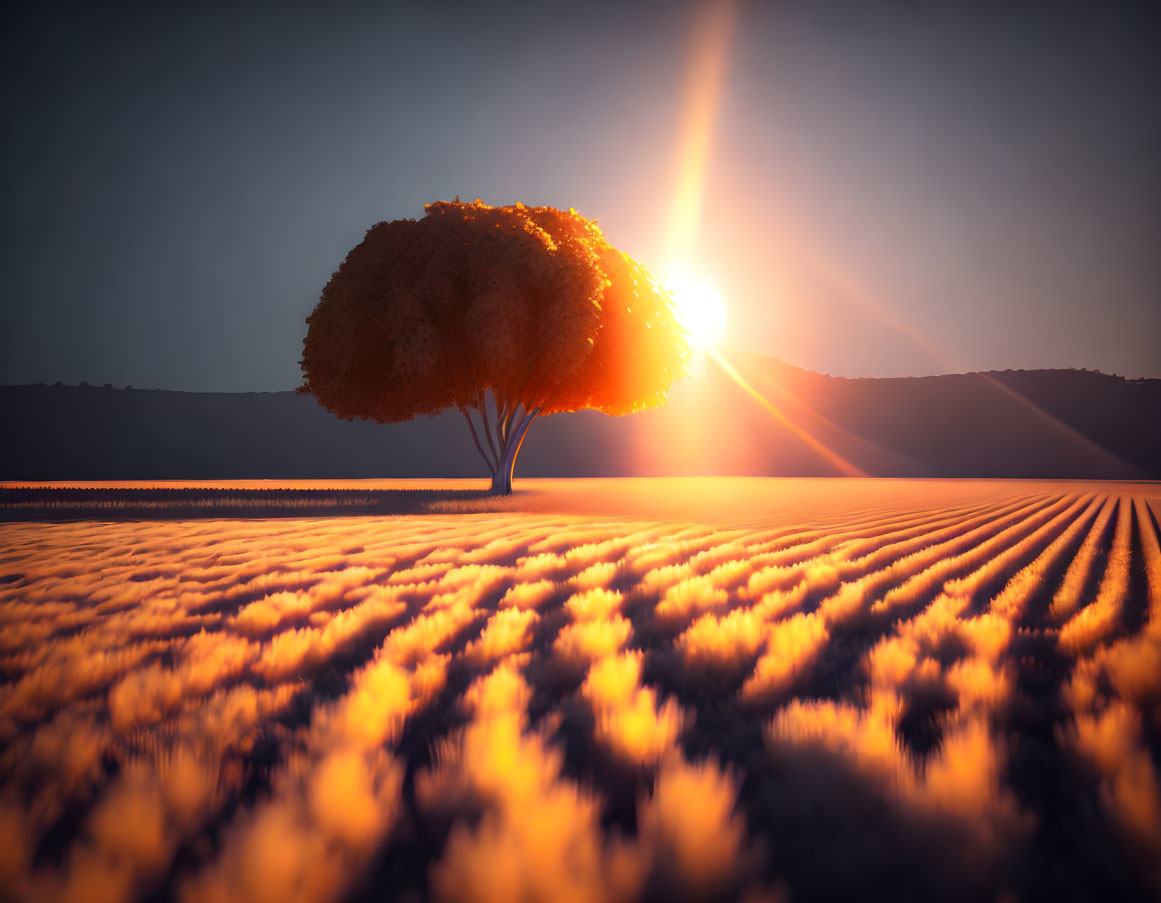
x=528 y=305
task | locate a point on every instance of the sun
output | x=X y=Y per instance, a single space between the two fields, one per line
x=698 y=306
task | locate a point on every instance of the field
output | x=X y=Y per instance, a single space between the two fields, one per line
x=595 y=690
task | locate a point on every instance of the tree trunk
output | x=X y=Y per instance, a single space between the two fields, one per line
x=502 y=476
x=502 y=480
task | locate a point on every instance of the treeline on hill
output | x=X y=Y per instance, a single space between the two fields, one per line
x=1048 y=423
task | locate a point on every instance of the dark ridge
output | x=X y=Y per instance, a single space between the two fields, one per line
x=1020 y=424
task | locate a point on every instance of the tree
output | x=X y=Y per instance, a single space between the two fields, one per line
x=528 y=305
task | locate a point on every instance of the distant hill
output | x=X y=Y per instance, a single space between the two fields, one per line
x=1041 y=423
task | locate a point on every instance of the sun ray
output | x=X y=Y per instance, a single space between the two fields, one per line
x=867 y=301
x=835 y=460
x=702 y=97
x=698 y=306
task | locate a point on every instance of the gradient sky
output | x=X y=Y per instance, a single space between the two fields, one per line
x=896 y=188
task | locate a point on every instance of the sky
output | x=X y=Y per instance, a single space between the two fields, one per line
x=881 y=189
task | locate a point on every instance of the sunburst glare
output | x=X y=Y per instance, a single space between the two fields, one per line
x=699 y=306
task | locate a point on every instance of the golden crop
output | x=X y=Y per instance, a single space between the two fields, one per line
x=538 y=706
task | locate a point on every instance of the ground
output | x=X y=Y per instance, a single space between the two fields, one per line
x=752 y=689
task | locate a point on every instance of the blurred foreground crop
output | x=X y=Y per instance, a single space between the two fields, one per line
x=951 y=694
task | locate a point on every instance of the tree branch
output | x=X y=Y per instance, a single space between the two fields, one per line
x=508 y=417
x=522 y=431
x=501 y=403
x=475 y=438
x=483 y=407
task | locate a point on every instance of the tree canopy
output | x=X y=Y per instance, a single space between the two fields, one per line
x=530 y=305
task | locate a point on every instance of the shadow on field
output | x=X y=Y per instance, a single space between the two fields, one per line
x=46 y=503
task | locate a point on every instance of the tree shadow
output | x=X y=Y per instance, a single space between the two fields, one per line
x=47 y=503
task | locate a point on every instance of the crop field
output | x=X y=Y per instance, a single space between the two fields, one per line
x=600 y=690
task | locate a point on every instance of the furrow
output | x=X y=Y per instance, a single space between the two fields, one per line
x=998 y=564
x=1012 y=599
x=1101 y=617
x=945 y=524
x=1067 y=597
x=806 y=555
x=872 y=571
x=937 y=564
x=1151 y=550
